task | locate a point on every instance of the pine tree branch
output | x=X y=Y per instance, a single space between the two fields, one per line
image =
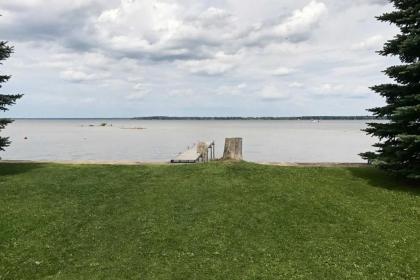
x=8 y=100
x=5 y=50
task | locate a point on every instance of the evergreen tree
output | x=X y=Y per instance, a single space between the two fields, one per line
x=5 y=100
x=399 y=145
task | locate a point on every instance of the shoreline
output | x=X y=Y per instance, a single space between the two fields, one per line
x=127 y=162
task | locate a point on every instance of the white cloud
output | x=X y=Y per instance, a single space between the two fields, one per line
x=341 y=91
x=82 y=67
x=295 y=28
x=328 y=89
x=54 y=4
x=166 y=30
x=139 y=92
x=151 y=49
x=181 y=92
x=136 y=96
x=372 y=43
x=283 y=71
x=207 y=66
x=302 y=20
x=220 y=64
x=239 y=89
x=76 y=76
x=360 y=92
x=296 y=85
x=215 y=17
x=139 y=87
x=272 y=93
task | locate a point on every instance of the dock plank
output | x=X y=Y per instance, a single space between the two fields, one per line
x=199 y=152
x=189 y=156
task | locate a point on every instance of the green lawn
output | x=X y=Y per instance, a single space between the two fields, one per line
x=210 y=221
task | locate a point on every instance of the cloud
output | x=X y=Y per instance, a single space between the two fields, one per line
x=368 y=2
x=273 y=93
x=166 y=30
x=181 y=92
x=219 y=64
x=139 y=87
x=302 y=21
x=49 y=20
x=295 y=28
x=296 y=85
x=136 y=96
x=77 y=76
x=329 y=90
x=239 y=89
x=139 y=91
x=371 y=43
x=214 y=17
x=209 y=41
x=283 y=71
x=147 y=50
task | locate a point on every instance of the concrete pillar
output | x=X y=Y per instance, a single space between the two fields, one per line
x=233 y=149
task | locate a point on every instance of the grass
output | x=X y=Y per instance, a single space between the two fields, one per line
x=212 y=221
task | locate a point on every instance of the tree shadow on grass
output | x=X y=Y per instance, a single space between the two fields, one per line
x=18 y=168
x=381 y=179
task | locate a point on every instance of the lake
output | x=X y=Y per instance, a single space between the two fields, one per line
x=154 y=140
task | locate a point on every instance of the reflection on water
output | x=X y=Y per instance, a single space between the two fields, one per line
x=275 y=141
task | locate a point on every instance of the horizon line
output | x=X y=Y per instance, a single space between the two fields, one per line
x=203 y=117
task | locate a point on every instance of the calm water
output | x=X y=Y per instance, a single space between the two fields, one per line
x=274 y=141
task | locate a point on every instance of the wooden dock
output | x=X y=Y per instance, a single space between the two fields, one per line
x=198 y=153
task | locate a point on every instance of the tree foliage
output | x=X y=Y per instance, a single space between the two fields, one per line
x=6 y=100
x=399 y=146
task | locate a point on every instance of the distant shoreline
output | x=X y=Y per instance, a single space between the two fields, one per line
x=310 y=118
x=133 y=162
x=259 y=118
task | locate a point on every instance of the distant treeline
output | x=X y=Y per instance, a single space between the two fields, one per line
x=260 y=118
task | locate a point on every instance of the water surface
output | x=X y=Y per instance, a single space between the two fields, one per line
x=264 y=141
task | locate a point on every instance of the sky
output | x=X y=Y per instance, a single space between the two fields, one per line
x=127 y=58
